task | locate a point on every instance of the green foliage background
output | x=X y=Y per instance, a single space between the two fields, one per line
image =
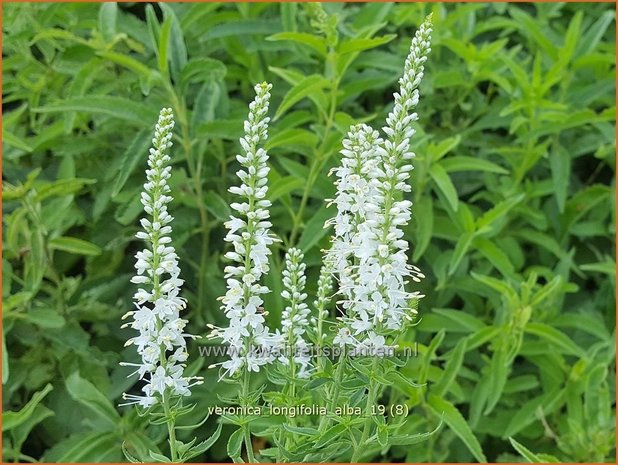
x=514 y=210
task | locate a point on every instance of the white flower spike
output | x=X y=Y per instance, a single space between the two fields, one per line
x=369 y=252
x=249 y=234
x=295 y=316
x=161 y=341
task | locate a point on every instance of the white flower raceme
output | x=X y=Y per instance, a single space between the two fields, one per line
x=385 y=271
x=247 y=335
x=369 y=250
x=325 y=287
x=295 y=316
x=161 y=341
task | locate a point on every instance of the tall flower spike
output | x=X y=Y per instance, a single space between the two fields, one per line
x=390 y=302
x=248 y=232
x=161 y=342
x=325 y=287
x=369 y=252
x=294 y=319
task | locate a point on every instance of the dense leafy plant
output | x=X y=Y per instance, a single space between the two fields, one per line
x=513 y=191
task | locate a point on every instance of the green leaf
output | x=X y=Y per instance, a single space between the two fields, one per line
x=461 y=248
x=164 y=45
x=498 y=374
x=314 y=230
x=234 y=444
x=177 y=53
x=21 y=432
x=525 y=453
x=74 y=245
x=463 y=320
x=495 y=256
x=84 y=392
x=242 y=28
x=458 y=424
x=589 y=41
x=451 y=369
x=463 y=163
x=560 y=164
x=437 y=151
x=154 y=28
x=204 y=445
x=527 y=412
x=330 y=435
x=497 y=285
x=5 y=360
x=159 y=457
x=498 y=211
x=445 y=185
x=556 y=338
x=358 y=45
x=410 y=439
x=224 y=129
x=291 y=137
x=573 y=35
x=315 y=42
x=12 y=419
x=61 y=188
x=202 y=69
x=317 y=382
x=130 y=63
x=107 y=20
x=607 y=267
x=217 y=206
x=304 y=88
x=285 y=185
x=136 y=151
x=87 y=447
x=36 y=264
x=429 y=355
x=299 y=430
x=15 y=141
x=46 y=318
x=423 y=217
x=115 y=107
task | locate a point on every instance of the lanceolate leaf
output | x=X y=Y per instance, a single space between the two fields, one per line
x=454 y=419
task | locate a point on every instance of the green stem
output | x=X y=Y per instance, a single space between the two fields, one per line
x=325 y=421
x=245 y=426
x=371 y=398
x=171 y=428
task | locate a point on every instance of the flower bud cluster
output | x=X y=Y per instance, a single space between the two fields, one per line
x=295 y=316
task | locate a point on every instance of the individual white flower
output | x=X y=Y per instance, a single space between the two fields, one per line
x=161 y=342
x=248 y=232
x=344 y=337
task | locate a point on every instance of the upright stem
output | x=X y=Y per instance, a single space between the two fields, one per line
x=324 y=422
x=371 y=394
x=165 y=400
x=245 y=426
x=171 y=428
